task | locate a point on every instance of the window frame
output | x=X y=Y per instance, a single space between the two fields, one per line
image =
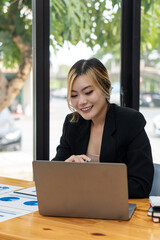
x=41 y=76
x=130 y=53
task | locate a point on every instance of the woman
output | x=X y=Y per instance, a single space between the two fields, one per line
x=104 y=132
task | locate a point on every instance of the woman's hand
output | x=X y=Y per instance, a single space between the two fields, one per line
x=78 y=158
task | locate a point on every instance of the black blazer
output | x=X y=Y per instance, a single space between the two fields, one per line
x=124 y=141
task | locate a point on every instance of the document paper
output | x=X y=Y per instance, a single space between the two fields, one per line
x=14 y=204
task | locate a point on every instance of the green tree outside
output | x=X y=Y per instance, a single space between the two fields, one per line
x=91 y=21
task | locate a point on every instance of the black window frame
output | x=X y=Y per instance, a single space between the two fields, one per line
x=130 y=53
x=130 y=67
x=41 y=76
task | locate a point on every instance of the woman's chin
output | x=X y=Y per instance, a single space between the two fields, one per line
x=86 y=117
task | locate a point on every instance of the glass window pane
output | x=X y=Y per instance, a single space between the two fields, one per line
x=150 y=73
x=80 y=31
x=16 y=131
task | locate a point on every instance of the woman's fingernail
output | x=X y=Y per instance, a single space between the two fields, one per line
x=88 y=159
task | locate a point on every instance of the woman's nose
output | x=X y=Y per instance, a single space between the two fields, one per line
x=82 y=100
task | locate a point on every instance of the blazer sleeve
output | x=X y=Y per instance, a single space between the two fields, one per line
x=139 y=159
x=63 y=149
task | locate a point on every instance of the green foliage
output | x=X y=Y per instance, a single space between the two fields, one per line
x=15 y=20
x=150 y=27
x=148 y=4
x=69 y=21
x=94 y=22
x=11 y=53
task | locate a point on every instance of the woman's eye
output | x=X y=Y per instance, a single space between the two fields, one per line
x=87 y=93
x=73 y=96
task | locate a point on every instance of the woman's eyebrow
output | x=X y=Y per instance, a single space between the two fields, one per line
x=89 y=86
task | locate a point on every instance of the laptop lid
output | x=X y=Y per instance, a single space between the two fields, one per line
x=88 y=190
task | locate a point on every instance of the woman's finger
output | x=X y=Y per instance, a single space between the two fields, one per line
x=78 y=158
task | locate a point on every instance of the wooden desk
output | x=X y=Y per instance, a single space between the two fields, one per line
x=34 y=226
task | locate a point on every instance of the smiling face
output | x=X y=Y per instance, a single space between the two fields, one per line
x=88 y=90
x=87 y=99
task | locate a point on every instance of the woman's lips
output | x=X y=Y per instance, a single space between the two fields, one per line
x=86 y=109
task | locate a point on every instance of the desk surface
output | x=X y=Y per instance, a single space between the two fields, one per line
x=34 y=226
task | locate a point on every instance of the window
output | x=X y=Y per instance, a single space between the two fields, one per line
x=150 y=73
x=80 y=31
x=16 y=131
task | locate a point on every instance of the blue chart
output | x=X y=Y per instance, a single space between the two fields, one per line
x=3 y=188
x=9 y=199
x=31 y=203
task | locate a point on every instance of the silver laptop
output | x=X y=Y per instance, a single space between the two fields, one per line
x=87 y=190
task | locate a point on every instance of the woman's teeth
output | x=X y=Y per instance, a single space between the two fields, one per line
x=86 y=109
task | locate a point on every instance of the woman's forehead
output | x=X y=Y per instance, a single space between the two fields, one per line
x=83 y=80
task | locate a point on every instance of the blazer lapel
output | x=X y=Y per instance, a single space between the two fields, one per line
x=108 y=147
